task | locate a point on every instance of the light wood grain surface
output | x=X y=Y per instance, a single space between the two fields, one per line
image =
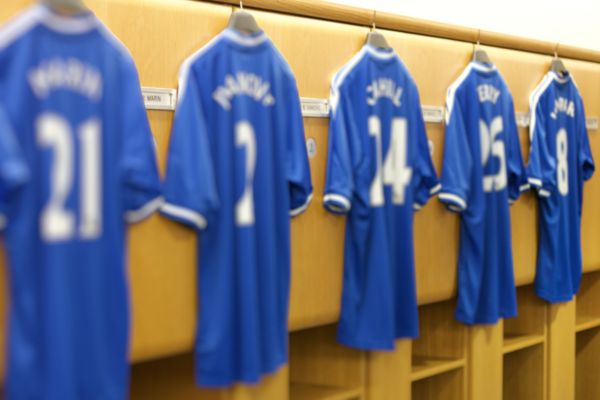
x=161 y=34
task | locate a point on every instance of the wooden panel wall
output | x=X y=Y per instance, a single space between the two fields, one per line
x=162 y=33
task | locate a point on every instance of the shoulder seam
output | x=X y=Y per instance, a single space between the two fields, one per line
x=533 y=101
x=112 y=38
x=19 y=25
x=450 y=96
x=185 y=67
x=340 y=76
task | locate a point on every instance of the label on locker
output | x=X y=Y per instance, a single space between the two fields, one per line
x=592 y=123
x=433 y=114
x=314 y=108
x=159 y=98
x=523 y=119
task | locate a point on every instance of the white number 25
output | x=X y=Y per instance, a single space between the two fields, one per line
x=490 y=143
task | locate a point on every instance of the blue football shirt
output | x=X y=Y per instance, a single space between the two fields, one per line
x=379 y=171
x=559 y=163
x=73 y=99
x=483 y=172
x=237 y=170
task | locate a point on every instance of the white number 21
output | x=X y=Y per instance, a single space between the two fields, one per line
x=394 y=171
x=57 y=223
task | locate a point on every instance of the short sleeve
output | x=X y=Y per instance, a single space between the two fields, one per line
x=13 y=169
x=190 y=189
x=339 y=180
x=297 y=165
x=585 y=159
x=517 y=176
x=426 y=183
x=141 y=184
x=458 y=164
x=541 y=167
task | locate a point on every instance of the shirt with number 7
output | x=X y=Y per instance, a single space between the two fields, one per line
x=379 y=171
x=559 y=163
x=483 y=173
x=237 y=171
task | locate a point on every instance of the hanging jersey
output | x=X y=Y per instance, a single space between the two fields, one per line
x=379 y=170
x=483 y=172
x=559 y=163
x=73 y=99
x=237 y=170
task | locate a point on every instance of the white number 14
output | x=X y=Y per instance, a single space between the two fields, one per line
x=394 y=171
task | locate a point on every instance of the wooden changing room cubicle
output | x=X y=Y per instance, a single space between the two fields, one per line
x=547 y=352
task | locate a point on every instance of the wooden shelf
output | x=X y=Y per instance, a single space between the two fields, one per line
x=585 y=322
x=424 y=367
x=518 y=342
x=302 y=391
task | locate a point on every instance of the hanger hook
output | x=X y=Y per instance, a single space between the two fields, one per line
x=374 y=18
x=556 y=50
x=241 y=4
x=478 y=37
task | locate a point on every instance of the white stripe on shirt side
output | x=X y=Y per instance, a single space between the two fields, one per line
x=20 y=25
x=338 y=78
x=184 y=70
x=533 y=102
x=450 y=97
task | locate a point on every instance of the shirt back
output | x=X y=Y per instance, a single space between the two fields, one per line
x=237 y=170
x=559 y=163
x=73 y=98
x=379 y=171
x=483 y=172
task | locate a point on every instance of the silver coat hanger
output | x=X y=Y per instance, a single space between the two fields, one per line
x=480 y=55
x=557 y=66
x=376 y=39
x=243 y=21
x=74 y=6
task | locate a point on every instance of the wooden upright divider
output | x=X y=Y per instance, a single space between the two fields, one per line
x=449 y=360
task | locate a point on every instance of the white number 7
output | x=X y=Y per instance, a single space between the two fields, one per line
x=395 y=171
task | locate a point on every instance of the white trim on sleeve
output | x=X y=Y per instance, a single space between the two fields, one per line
x=524 y=187
x=434 y=190
x=535 y=182
x=453 y=198
x=186 y=214
x=302 y=208
x=337 y=198
x=544 y=193
x=417 y=206
x=144 y=211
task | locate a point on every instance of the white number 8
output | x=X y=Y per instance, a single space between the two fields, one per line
x=562 y=167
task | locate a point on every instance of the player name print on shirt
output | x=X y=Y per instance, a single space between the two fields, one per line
x=66 y=74
x=243 y=83
x=384 y=88
x=562 y=105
